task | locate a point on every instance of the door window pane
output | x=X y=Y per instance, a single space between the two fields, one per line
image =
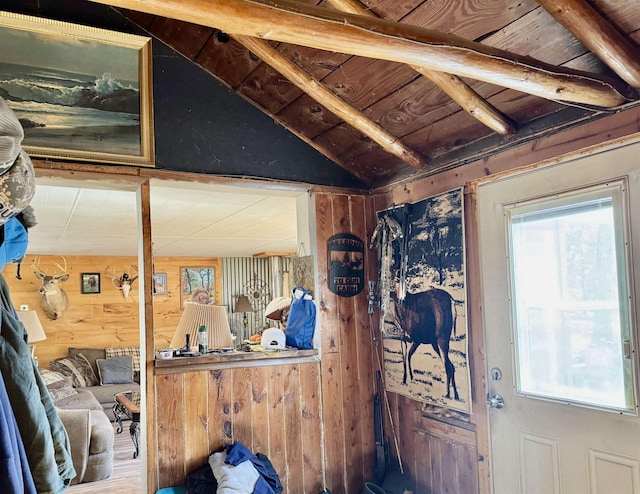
x=571 y=314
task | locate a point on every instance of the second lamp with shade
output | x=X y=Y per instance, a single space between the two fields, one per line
x=213 y=317
x=243 y=305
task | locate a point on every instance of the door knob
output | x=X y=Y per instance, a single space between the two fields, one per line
x=494 y=400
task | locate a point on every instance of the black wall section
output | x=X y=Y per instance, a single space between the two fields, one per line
x=200 y=125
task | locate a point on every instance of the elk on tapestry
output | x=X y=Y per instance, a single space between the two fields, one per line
x=423 y=300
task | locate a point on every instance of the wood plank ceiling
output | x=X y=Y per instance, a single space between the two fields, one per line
x=386 y=121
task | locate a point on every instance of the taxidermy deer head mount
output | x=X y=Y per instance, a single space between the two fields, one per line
x=124 y=281
x=54 y=299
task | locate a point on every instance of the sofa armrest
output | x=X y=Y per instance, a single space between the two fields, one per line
x=77 y=422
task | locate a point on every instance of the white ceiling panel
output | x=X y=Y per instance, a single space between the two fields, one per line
x=187 y=219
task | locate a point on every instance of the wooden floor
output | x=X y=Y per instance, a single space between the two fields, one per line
x=126 y=478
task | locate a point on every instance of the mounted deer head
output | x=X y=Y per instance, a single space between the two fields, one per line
x=124 y=281
x=54 y=299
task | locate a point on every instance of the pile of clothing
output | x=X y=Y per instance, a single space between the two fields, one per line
x=235 y=470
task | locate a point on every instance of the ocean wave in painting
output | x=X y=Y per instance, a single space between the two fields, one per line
x=52 y=88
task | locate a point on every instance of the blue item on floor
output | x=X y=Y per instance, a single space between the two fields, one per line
x=181 y=489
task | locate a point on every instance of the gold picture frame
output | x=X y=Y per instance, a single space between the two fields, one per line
x=81 y=93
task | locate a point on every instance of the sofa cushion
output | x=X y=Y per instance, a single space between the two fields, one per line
x=82 y=399
x=127 y=350
x=115 y=370
x=62 y=392
x=78 y=368
x=91 y=354
x=104 y=394
x=54 y=380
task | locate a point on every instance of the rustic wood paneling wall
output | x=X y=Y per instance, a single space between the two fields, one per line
x=274 y=410
x=448 y=455
x=299 y=415
x=102 y=319
x=348 y=372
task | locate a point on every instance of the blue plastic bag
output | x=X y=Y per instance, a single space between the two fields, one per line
x=302 y=320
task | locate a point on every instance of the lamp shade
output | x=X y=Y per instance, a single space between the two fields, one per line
x=243 y=304
x=213 y=317
x=31 y=322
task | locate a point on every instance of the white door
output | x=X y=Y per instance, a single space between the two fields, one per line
x=559 y=315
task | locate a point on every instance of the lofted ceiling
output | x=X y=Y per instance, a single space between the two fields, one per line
x=187 y=219
x=384 y=99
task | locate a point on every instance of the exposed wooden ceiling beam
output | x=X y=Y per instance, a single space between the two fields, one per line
x=458 y=90
x=331 y=101
x=294 y=22
x=597 y=34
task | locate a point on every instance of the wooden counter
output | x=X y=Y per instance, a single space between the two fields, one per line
x=268 y=402
x=234 y=360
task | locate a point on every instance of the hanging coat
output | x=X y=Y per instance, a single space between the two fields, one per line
x=15 y=476
x=47 y=445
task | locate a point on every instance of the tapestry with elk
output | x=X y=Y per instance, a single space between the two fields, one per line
x=423 y=300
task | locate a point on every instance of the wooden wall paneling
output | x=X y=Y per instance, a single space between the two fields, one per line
x=332 y=399
x=171 y=429
x=422 y=459
x=467 y=469
x=331 y=367
x=405 y=421
x=277 y=437
x=220 y=415
x=349 y=363
x=293 y=429
x=448 y=462
x=360 y=223
x=310 y=430
x=260 y=410
x=241 y=405
x=435 y=474
x=327 y=312
x=196 y=440
x=104 y=319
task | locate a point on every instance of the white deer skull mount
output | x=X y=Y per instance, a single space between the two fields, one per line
x=125 y=281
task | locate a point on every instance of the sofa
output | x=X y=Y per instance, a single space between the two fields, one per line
x=95 y=380
x=90 y=434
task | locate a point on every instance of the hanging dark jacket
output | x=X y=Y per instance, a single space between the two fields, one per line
x=15 y=476
x=46 y=442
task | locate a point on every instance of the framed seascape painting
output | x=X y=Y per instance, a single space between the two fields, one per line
x=80 y=93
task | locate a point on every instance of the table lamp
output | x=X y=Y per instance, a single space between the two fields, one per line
x=213 y=317
x=243 y=305
x=31 y=322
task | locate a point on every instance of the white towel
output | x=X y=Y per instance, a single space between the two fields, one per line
x=238 y=479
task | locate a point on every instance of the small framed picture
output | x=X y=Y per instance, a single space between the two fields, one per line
x=160 y=284
x=90 y=283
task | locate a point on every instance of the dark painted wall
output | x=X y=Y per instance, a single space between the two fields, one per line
x=200 y=125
